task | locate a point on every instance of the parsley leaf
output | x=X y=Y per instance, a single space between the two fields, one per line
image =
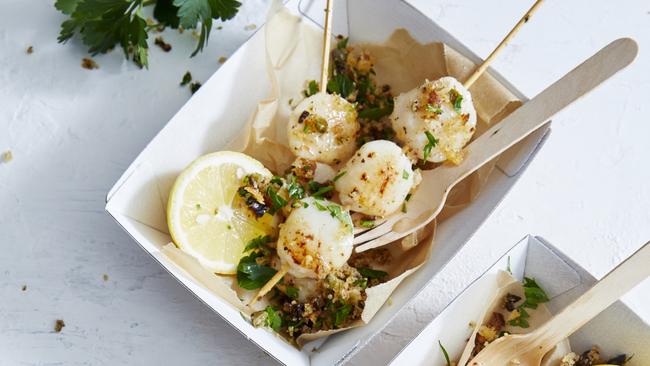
x=372 y=273
x=166 y=13
x=535 y=295
x=430 y=145
x=312 y=88
x=341 y=314
x=295 y=190
x=250 y=274
x=273 y=319
x=405 y=174
x=338 y=176
x=456 y=99
x=292 y=292
x=341 y=84
x=103 y=24
x=376 y=113
x=368 y=223
x=257 y=243
x=276 y=200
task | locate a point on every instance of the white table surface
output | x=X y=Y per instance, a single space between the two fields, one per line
x=73 y=132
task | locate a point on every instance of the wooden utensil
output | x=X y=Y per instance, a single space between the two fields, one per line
x=429 y=197
x=528 y=349
x=468 y=83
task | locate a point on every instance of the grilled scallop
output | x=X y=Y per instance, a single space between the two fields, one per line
x=323 y=128
x=316 y=238
x=439 y=114
x=376 y=180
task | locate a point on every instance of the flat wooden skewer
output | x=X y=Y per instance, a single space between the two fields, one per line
x=481 y=69
x=327 y=41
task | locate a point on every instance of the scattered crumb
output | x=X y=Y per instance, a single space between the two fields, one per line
x=24 y=288
x=250 y=27
x=181 y=29
x=150 y=21
x=195 y=86
x=30 y=50
x=222 y=59
x=196 y=35
x=219 y=27
x=186 y=80
x=7 y=156
x=58 y=325
x=160 y=42
x=89 y=63
x=315 y=350
x=105 y=277
x=389 y=301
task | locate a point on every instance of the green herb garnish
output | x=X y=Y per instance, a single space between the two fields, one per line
x=535 y=295
x=405 y=174
x=312 y=88
x=341 y=84
x=295 y=190
x=186 y=78
x=430 y=145
x=456 y=99
x=276 y=201
x=368 y=223
x=432 y=109
x=252 y=275
x=292 y=292
x=372 y=273
x=273 y=319
x=257 y=243
x=322 y=190
x=104 y=24
x=338 y=176
x=341 y=314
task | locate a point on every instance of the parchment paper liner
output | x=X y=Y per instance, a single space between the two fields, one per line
x=293 y=51
x=508 y=284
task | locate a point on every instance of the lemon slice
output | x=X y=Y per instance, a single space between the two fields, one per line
x=207 y=219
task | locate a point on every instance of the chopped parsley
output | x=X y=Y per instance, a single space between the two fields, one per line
x=372 y=273
x=257 y=243
x=432 y=109
x=312 y=88
x=341 y=314
x=405 y=175
x=338 y=176
x=535 y=295
x=368 y=223
x=321 y=191
x=252 y=273
x=292 y=292
x=186 y=79
x=273 y=319
x=277 y=201
x=430 y=145
x=295 y=190
x=456 y=99
x=341 y=84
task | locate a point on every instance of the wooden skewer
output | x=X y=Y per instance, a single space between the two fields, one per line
x=269 y=285
x=327 y=40
x=481 y=69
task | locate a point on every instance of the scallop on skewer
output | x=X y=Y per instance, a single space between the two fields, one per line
x=435 y=121
x=315 y=239
x=323 y=127
x=377 y=179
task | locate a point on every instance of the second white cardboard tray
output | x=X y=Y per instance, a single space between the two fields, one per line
x=615 y=331
x=208 y=121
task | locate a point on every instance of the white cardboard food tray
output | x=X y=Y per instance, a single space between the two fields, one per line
x=208 y=121
x=616 y=330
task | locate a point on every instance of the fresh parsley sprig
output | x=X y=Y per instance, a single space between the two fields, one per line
x=535 y=295
x=430 y=145
x=104 y=24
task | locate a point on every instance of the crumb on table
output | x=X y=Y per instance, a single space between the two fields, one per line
x=250 y=27
x=7 y=156
x=24 y=288
x=105 y=277
x=30 y=50
x=58 y=325
x=89 y=63
x=222 y=59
